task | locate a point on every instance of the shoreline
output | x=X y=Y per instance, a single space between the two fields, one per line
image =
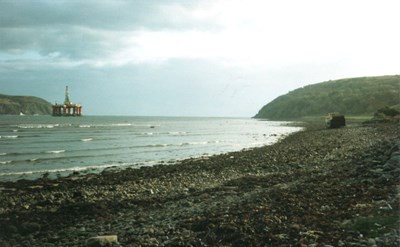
x=314 y=187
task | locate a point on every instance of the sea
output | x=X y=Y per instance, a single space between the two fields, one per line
x=35 y=146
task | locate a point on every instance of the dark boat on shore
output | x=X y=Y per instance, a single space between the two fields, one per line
x=335 y=120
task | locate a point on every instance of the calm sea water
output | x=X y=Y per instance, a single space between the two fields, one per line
x=31 y=146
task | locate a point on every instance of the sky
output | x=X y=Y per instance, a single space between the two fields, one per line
x=220 y=58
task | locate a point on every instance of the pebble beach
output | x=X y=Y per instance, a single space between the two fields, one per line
x=316 y=187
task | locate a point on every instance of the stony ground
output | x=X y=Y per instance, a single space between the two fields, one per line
x=318 y=187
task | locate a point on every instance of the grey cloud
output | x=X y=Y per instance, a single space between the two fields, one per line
x=79 y=30
x=95 y=14
x=121 y=15
x=72 y=29
x=68 y=42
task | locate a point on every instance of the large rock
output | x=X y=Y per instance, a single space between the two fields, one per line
x=101 y=241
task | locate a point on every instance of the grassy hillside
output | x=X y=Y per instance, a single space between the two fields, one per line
x=29 y=105
x=354 y=96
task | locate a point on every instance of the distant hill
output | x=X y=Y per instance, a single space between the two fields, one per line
x=354 y=96
x=28 y=105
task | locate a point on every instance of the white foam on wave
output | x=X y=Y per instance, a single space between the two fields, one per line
x=37 y=126
x=97 y=168
x=68 y=170
x=194 y=143
x=106 y=125
x=9 y=137
x=183 y=144
x=121 y=124
x=159 y=145
x=148 y=134
x=71 y=169
x=2 y=154
x=5 y=162
x=87 y=139
x=55 y=152
x=177 y=133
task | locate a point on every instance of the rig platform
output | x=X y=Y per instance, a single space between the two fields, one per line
x=68 y=108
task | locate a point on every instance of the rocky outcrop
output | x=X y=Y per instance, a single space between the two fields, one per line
x=386 y=114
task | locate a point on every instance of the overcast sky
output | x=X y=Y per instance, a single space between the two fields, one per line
x=190 y=58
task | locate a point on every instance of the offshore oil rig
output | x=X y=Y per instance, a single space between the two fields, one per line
x=68 y=108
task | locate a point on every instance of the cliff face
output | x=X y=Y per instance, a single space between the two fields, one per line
x=28 y=105
x=354 y=96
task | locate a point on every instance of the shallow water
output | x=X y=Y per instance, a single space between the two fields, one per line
x=33 y=145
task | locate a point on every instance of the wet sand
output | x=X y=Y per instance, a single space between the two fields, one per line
x=317 y=187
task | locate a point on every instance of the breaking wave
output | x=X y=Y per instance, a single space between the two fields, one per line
x=9 y=137
x=87 y=139
x=55 y=152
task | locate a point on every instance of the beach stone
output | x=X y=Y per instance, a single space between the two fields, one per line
x=153 y=242
x=295 y=226
x=392 y=163
x=4 y=244
x=341 y=243
x=11 y=229
x=371 y=242
x=30 y=227
x=103 y=241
